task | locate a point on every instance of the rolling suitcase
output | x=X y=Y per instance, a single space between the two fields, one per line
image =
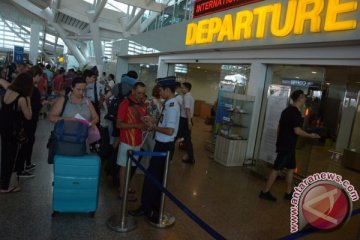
x=76 y=183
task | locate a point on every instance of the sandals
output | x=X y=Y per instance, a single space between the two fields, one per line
x=131 y=191
x=11 y=190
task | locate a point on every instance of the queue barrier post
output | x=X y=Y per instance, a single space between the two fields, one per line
x=165 y=219
x=123 y=222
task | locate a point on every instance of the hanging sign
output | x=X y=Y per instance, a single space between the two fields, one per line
x=206 y=7
x=18 y=54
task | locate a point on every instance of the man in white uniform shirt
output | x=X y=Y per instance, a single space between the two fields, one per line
x=186 y=123
x=165 y=132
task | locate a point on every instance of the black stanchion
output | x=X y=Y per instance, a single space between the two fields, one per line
x=165 y=219
x=124 y=223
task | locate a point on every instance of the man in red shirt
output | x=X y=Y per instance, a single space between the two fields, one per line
x=129 y=119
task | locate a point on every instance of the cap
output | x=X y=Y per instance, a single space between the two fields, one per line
x=166 y=81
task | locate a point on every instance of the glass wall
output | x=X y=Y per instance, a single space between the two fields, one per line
x=147 y=74
x=207 y=78
x=176 y=11
x=331 y=110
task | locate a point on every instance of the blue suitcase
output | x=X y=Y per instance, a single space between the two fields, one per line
x=76 y=183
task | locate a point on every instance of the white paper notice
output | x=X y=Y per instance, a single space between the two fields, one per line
x=277 y=102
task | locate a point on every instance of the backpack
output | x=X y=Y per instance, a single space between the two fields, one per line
x=115 y=102
x=67 y=138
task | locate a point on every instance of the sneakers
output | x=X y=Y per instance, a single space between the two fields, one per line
x=25 y=174
x=288 y=196
x=267 y=196
x=30 y=167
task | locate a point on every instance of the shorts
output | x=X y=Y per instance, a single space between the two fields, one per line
x=285 y=160
x=122 y=154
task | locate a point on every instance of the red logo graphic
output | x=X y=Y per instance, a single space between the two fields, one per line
x=325 y=206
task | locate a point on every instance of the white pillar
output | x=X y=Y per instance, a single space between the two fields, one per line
x=122 y=67
x=256 y=88
x=162 y=68
x=34 y=42
x=95 y=33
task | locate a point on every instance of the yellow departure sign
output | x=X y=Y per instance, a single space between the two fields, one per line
x=250 y=24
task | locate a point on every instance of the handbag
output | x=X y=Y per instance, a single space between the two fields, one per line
x=93 y=134
x=21 y=136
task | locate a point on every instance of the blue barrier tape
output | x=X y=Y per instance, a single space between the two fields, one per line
x=310 y=230
x=149 y=154
x=177 y=202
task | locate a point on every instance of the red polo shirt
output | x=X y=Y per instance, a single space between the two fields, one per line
x=130 y=111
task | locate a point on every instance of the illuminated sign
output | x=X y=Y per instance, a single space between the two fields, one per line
x=299 y=15
x=206 y=7
x=299 y=83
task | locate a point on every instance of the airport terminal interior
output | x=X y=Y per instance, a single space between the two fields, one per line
x=240 y=88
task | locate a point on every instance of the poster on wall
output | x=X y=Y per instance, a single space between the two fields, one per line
x=277 y=101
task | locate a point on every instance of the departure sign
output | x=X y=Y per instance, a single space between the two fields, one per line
x=205 y=7
x=276 y=19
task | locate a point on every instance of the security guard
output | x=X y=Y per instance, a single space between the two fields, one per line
x=165 y=132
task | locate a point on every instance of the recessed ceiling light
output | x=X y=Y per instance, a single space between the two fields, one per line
x=297 y=77
x=198 y=67
x=313 y=72
x=327 y=83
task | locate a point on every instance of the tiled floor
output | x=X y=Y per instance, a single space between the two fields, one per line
x=225 y=198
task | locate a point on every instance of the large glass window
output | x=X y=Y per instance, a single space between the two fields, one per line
x=331 y=110
x=147 y=74
x=206 y=79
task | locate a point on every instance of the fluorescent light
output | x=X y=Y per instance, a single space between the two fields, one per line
x=327 y=83
x=297 y=77
x=198 y=67
x=313 y=72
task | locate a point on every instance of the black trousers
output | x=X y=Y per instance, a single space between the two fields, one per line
x=26 y=150
x=187 y=137
x=9 y=149
x=151 y=195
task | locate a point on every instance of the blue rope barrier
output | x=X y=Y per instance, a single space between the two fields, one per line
x=310 y=230
x=149 y=154
x=178 y=203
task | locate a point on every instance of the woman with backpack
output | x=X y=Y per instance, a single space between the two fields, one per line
x=15 y=107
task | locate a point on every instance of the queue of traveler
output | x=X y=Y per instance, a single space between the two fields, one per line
x=24 y=93
x=134 y=121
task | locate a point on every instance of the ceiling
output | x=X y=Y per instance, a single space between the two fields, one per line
x=78 y=21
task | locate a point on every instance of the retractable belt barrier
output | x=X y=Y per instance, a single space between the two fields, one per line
x=126 y=223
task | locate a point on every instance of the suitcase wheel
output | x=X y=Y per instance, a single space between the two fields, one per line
x=54 y=213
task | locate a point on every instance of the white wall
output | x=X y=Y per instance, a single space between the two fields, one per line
x=204 y=84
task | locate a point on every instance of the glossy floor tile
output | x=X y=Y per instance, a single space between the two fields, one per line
x=226 y=198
